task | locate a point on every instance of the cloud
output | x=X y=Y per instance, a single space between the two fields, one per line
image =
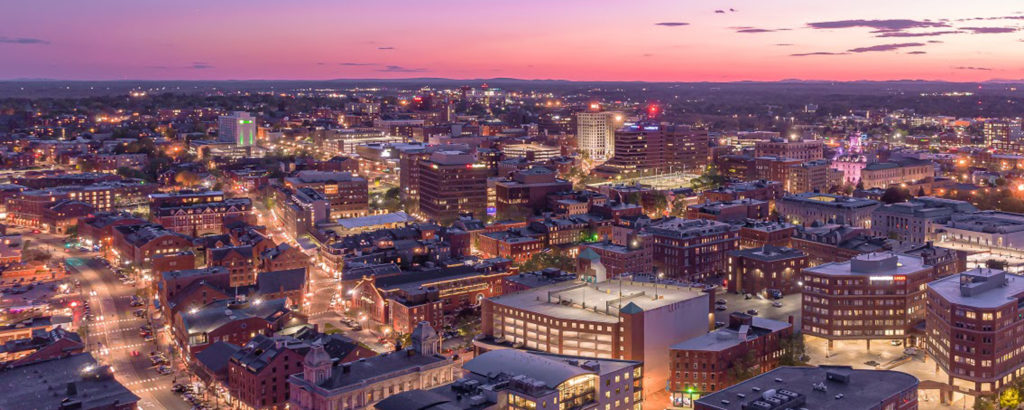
x=672 y=24
x=991 y=30
x=198 y=65
x=935 y=41
x=648 y=55
x=881 y=25
x=817 y=53
x=23 y=40
x=925 y=34
x=783 y=44
x=719 y=11
x=356 y=64
x=386 y=48
x=753 y=30
x=973 y=68
x=884 y=47
x=400 y=69
x=917 y=52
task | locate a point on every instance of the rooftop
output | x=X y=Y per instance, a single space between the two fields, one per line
x=769 y=253
x=53 y=384
x=595 y=302
x=219 y=313
x=742 y=328
x=980 y=288
x=843 y=388
x=872 y=264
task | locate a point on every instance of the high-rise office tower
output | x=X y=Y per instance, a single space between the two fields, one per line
x=595 y=133
x=239 y=127
x=451 y=182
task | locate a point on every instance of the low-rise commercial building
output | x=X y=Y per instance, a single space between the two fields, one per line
x=704 y=364
x=765 y=269
x=820 y=387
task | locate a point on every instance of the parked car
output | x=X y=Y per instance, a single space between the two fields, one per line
x=895 y=342
x=777 y=304
x=752 y=312
x=721 y=307
x=164 y=370
x=721 y=302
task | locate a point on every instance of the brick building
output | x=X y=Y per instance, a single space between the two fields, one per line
x=691 y=249
x=703 y=364
x=757 y=270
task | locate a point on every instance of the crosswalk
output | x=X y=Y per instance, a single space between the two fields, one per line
x=112 y=331
x=140 y=381
x=115 y=321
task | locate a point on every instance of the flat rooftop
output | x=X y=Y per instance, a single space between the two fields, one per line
x=1007 y=290
x=880 y=261
x=861 y=390
x=605 y=296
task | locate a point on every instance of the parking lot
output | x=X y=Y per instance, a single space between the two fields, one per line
x=737 y=303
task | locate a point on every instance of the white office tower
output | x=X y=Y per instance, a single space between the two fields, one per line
x=595 y=133
x=239 y=127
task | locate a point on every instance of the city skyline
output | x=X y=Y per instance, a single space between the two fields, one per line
x=572 y=40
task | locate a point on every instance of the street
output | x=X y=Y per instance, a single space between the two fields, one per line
x=115 y=333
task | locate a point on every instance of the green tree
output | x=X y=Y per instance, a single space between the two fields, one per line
x=743 y=368
x=995 y=264
x=895 y=194
x=793 y=351
x=984 y=403
x=1009 y=398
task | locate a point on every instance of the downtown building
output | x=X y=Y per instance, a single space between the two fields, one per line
x=806 y=150
x=651 y=147
x=595 y=133
x=199 y=213
x=869 y=297
x=704 y=364
x=324 y=384
x=758 y=270
x=918 y=219
x=451 y=183
x=886 y=174
x=238 y=128
x=822 y=387
x=973 y=324
x=347 y=195
x=806 y=208
x=614 y=319
x=691 y=249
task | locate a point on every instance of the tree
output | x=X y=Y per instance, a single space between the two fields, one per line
x=1009 y=398
x=793 y=348
x=984 y=403
x=659 y=203
x=186 y=179
x=995 y=264
x=920 y=191
x=894 y=194
x=743 y=368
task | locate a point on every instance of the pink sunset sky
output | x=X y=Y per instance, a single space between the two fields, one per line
x=656 y=40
